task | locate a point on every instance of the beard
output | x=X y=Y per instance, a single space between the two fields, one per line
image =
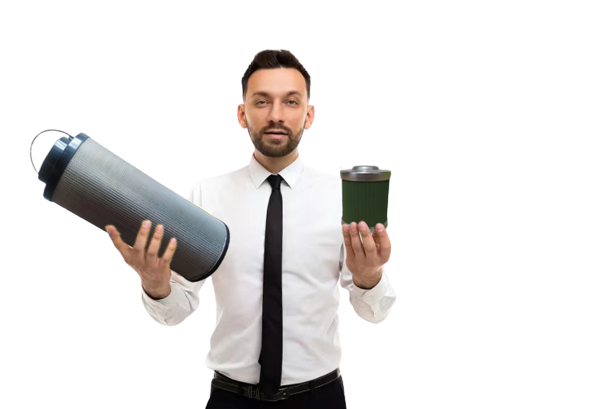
x=275 y=148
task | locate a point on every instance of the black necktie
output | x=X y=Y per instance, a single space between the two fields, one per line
x=271 y=340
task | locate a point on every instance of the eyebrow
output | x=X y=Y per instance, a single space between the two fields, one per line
x=265 y=94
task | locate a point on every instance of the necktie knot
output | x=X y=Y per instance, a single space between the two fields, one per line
x=274 y=181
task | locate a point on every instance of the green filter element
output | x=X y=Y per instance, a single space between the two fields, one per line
x=365 y=201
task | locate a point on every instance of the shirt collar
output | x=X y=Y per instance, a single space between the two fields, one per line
x=290 y=174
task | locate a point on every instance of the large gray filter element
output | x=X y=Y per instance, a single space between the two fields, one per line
x=93 y=183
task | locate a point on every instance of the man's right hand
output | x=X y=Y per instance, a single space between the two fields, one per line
x=153 y=271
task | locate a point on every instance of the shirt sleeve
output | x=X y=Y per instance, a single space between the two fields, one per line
x=374 y=304
x=184 y=294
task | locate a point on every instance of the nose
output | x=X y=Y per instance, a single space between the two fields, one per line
x=276 y=114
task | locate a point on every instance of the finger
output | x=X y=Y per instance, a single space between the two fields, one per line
x=153 y=249
x=123 y=248
x=381 y=237
x=368 y=244
x=355 y=239
x=142 y=238
x=169 y=253
x=376 y=235
x=347 y=240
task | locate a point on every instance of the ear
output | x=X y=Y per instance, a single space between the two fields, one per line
x=309 y=117
x=242 y=116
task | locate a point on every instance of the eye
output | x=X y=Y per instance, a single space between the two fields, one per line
x=291 y=102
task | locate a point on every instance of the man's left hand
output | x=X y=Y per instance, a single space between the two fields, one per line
x=365 y=259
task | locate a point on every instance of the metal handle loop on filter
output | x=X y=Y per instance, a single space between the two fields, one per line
x=46 y=130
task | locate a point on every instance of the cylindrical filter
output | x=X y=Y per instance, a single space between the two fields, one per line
x=365 y=195
x=93 y=183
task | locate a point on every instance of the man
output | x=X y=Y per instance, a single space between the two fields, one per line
x=276 y=341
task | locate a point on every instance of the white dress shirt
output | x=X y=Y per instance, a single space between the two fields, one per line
x=313 y=261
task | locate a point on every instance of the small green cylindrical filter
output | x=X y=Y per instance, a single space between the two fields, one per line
x=365 y=195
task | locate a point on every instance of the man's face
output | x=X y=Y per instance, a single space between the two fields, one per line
x=276 y=100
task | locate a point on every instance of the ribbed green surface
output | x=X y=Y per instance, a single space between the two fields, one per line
x=366 y=201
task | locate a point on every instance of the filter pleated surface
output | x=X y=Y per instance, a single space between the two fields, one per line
x=103 y=189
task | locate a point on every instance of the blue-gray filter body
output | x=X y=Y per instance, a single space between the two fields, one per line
x=88 y=180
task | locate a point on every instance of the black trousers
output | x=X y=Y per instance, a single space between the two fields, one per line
x=329 y=396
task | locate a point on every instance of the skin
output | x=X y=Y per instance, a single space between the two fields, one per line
x=154 y=272
x=283 y=106
x=366 y=253
x=276 y=99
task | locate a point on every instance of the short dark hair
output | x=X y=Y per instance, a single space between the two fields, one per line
x=274 y=59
